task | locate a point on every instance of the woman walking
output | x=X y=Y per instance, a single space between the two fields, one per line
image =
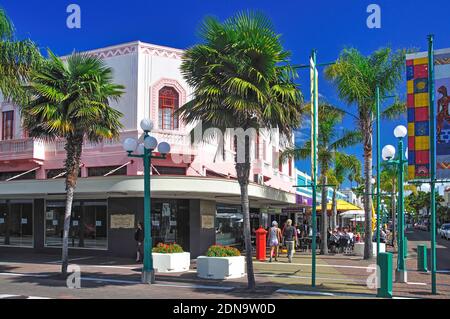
x=274 y=240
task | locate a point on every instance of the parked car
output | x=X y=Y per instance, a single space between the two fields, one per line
x=421 y=226
x=444 y=231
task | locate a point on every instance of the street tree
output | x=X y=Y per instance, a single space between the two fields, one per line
x=242 y=78
x=70 y=100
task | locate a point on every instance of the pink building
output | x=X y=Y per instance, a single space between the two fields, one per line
x=195 y=195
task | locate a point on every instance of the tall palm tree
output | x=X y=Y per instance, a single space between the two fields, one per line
x=356 y=77
x=71 y=101
x=242 y=79
x=330 y=142
x=344 y=165
x=17 y=58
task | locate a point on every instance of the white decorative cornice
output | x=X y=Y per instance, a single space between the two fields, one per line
x=133 y=47
x=156 y=50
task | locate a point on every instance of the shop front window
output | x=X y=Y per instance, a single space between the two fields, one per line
x=16 y=223
x=170 y=222
x=88 y=224
x=229 y=225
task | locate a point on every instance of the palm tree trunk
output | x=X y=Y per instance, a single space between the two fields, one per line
x=73 y=155
x=367 y=131
x=334 y=210
x=324 y=230
x=243 y=173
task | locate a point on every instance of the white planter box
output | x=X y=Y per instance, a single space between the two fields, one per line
x=359 y=249
x=176 y=262
x=220 y=267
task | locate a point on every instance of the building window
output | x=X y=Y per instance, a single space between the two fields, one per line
x=170 y=222
x=229 y=225
x=7 y=175
x=7 y=125
x=290 y=167
x=58 y=173
x=257 y=147
x=88 y=224
x=168 y=104
x=264 y=150
x=168 y=170
x=16 y=223
x=274 y=157
x=101 y=171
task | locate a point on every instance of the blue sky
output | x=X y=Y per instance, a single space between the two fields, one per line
x=326 y=25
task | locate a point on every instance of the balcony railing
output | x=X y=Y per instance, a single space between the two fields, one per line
x=22 y=149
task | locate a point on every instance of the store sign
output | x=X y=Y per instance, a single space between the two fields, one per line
x=293 y=210
x=122 y=221
x=207 y=221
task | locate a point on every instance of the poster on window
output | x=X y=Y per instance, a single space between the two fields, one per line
x=165 y=209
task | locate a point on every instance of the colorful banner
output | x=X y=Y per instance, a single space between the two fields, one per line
x=418 y=114
x=442 y=86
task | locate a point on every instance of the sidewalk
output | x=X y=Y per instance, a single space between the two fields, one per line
x=337 y=276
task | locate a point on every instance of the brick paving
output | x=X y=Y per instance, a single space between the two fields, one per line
x=338 y=276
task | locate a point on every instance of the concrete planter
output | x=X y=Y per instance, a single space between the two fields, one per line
x=359 y=249
x=176 y=262
x=220 y=267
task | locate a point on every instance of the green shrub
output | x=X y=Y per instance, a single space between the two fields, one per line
x=167 y=248
x=222 y=251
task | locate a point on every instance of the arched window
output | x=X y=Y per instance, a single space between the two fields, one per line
x=168 y=104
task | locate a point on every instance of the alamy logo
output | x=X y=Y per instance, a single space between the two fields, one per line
x=374 y=279
x=74 y=279
x=74 y=19
x=374 y=19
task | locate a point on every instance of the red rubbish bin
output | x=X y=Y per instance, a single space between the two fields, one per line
x=261 y=243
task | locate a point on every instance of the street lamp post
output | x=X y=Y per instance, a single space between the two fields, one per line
x=388 y=154
x=145 y=151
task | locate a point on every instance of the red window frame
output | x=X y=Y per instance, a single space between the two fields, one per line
x=168 y=100
x=7 y=132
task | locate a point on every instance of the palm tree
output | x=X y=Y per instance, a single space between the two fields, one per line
x=329 y=144
x=17 y=58
x=241 y=78
x=356 y=77
x=344 y=165
x=388 y=184
x=71 y=101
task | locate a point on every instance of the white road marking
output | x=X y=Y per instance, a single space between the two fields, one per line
x=107 y=266
x=318 y=265
x=6 y=296
x=161 y=285
x=330 y=294
x=72 y=259
x=309 y=277
x=22 y=274
x=305 y=292
x=417 y=283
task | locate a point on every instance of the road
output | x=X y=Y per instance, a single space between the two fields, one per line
x=417 y=237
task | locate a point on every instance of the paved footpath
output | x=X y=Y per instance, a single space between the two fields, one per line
x=36 y=276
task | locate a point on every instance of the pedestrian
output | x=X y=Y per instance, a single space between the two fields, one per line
x=139 y=238
x=274 y=240
x=290 y=236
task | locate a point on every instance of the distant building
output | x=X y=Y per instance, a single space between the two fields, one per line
x=352 y=198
